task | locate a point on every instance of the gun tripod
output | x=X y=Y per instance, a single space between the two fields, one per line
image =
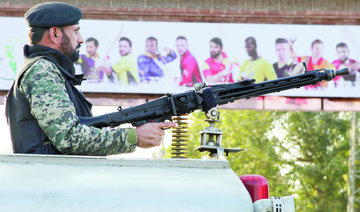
x=211 y=138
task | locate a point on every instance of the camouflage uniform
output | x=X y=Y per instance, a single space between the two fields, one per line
x=43 y=85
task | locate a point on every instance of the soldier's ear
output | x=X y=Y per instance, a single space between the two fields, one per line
x=54 y=33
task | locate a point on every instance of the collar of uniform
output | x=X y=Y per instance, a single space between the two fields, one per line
x=65 y=65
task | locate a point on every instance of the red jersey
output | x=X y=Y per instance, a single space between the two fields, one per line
x=340 y=65
x=313 y=65
x=210 y=68
x=190 y=72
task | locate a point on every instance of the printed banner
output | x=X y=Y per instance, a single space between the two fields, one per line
x=169 y=57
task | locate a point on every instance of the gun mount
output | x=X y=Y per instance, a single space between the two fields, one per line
x=206 y=98
x=211 y=138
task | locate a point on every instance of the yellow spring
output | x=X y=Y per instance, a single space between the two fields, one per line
x=180 y=137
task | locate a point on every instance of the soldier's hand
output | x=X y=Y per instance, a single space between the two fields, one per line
x=151 y=134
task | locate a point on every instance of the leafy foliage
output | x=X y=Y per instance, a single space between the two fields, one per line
x=319 y=162
x=300 y=153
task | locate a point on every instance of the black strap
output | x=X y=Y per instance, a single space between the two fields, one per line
x=28 y=62
x=78 y=79
x=209 y=99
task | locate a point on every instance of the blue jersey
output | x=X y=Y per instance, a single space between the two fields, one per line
x=149 y=68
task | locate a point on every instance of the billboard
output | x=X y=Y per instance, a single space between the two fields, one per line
x=119 y=56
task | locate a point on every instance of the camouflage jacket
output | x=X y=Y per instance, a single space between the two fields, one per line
x=43 y=85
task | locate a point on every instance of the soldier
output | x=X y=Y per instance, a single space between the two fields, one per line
x=43 y=106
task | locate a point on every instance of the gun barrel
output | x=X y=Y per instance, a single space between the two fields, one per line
x=205 y=97
x=331 y=74
x=225 y=95
x=344 y=71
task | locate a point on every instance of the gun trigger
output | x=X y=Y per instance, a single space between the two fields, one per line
x=138 y=123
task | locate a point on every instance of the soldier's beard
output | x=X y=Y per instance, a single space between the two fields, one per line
x=69 y=51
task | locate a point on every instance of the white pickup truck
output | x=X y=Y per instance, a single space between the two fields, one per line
x=78 y=183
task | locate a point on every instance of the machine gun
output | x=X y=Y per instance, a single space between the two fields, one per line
x=204 y=98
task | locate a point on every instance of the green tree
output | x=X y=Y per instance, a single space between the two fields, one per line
x=317 y=147
x=248 y=130
x=301 y=153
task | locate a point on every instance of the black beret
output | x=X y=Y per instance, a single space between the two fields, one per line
x=53 y=14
